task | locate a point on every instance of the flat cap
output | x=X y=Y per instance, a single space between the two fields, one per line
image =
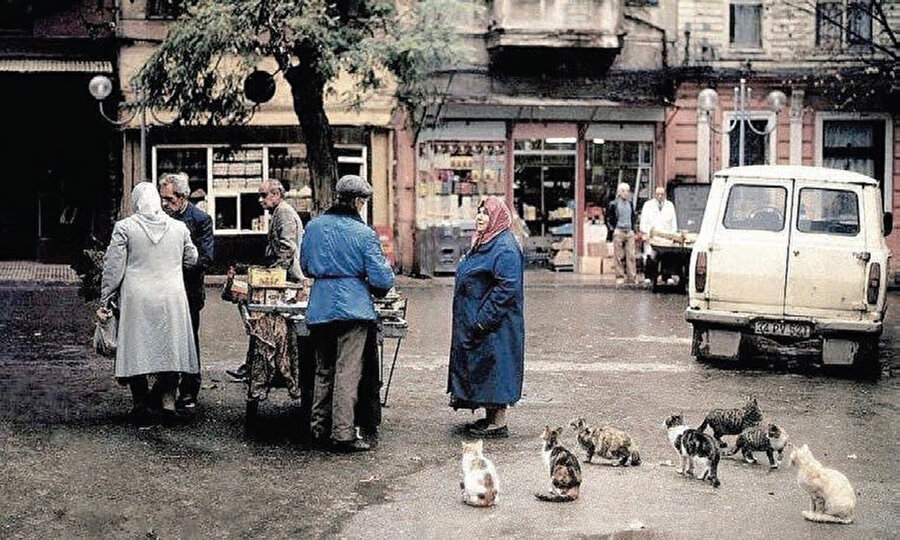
x=353 y=185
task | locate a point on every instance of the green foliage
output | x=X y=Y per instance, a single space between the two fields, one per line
x=199 y=69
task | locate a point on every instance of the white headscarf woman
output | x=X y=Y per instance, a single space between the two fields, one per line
x=147 y=208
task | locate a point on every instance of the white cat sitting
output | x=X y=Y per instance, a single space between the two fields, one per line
x=833 y=498
x=480 y=485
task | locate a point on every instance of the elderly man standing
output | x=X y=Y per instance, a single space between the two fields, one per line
x=621 y=222
x=174 y=190
x=344 y=257
x=283 y=246
x=657 y=214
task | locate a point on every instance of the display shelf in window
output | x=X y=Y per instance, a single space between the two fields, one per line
x=237 y=169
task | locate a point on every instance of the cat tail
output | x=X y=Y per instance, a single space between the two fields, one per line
x=569 y=496
x=635 y=458
x=703 y=425
x=820 y=517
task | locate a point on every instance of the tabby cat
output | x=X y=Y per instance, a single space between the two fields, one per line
x=770 y=439
x=833 y=498
x=565 y=472
x=732 y=421
x=480 y=485
x=606 y=442
x=693 y=446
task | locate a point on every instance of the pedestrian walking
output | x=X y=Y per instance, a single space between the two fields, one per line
x=174 y=190
x=621 y=224
x=143 y=268
x=487 y=351
x=344 y=257
x=282 y=246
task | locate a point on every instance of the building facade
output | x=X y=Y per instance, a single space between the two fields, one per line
x=227 y=163
x=557 y=104
x=832 y=59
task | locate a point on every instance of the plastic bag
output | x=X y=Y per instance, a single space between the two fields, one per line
x=106 y=334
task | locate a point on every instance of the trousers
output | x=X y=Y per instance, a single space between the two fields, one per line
x=623 y=249
x=339 y=362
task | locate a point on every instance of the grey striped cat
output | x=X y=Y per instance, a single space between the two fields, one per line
x=732 y=421
x=769 y=439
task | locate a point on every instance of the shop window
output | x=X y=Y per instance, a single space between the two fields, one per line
x=745 y=23
x=191 y=161
x=226 y=213
x=453 y=175
x=611 y=163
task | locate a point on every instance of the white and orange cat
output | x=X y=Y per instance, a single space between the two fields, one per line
x=833 y=498
x=481 y=484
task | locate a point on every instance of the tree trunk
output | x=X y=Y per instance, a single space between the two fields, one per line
x=307 y=90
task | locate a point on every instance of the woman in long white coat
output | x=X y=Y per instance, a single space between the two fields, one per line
x=143 y=265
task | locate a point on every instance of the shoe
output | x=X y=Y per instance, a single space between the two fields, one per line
x=481 y=423
x=647 y=281
x=350 y=447
x=239 y=374
x=187 y=404
x=670 y=281
x=142 y=416
x=620 y=281
x=501 y=432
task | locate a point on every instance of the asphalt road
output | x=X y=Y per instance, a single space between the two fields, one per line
x=72 y=466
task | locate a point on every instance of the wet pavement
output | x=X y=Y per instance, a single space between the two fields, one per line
x=72 y=466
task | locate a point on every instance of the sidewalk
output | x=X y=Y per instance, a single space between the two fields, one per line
x=18 y=273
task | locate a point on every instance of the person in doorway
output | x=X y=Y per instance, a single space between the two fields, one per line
x=143 y=267
x=487 y=351
x=657 y=215
x=283 y=245
x=621 y=224
x=174 y=190
x=344 y=257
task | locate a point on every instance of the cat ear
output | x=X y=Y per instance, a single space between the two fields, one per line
x=559 y=430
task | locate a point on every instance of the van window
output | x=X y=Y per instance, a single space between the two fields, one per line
x=828 y=211
x=755 y=208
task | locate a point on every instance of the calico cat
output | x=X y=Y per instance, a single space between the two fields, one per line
x=480 y=485
x=770 y=439
x=565 y=472
x=606 y=442
x=833 y=498
x=732 y=421
x=693 y=446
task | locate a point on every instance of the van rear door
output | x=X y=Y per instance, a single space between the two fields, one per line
x=747 y=256
x=827 y=255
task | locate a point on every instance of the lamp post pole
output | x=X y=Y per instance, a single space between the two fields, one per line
x=101 y=87
x=707 y=103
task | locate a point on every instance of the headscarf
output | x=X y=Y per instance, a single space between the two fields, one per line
x=499 y=220
x=147 y=208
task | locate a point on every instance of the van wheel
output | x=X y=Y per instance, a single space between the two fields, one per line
x=868 y=357
x=700 y=353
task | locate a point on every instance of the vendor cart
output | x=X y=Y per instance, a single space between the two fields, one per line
x=673 y=250
x=391 y=324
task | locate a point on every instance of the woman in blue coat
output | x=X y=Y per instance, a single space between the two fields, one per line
x=487 y=352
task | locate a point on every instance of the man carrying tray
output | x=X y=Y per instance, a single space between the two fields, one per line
x=344 y=257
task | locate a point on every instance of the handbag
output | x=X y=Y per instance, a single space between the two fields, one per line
x=106 y=333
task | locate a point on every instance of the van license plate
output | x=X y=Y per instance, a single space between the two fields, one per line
x=782 y=328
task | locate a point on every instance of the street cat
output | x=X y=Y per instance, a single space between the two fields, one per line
x=481 y=484
x=694 y=446
x=565 y=472
x=731 y=421
x=606 y=442
x=770 y=439
x=832 y=496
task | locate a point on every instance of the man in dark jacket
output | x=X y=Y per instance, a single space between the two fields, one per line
x=174 y=190
x=621 y=224
x=344 y=257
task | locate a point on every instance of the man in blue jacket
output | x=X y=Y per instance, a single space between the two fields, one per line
x=344 y=257
x=174 y=190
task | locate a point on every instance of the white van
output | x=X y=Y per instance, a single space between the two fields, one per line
x=790 y=257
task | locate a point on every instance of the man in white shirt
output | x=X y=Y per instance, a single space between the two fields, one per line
x=657 y=214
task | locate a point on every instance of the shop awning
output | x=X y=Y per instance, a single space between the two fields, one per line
x=43 y=65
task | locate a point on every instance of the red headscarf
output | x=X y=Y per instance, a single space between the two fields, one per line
x=499 y=220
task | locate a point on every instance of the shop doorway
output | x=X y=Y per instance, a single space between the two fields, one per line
x=544 y=197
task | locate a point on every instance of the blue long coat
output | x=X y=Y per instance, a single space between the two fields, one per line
x=487 y=352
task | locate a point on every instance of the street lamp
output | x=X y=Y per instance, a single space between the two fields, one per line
x=707 y=102
x=101 y=87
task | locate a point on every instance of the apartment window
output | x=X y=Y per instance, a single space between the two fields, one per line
x=840 y=22
x=854 y=145
x=745 y=23
x=756 y=146
x=164 y=9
